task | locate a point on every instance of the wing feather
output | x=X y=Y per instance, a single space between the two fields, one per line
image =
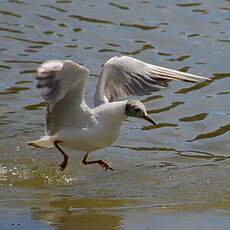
x=56 y=78
x=62 y=86
x=125 y=76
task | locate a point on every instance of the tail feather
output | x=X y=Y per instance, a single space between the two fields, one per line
x=44 y=142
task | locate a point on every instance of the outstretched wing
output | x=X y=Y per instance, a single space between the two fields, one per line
x=62 y=86
x=56 y=77
x=124 y=76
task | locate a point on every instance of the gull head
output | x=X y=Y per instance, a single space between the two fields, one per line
x=135 y=108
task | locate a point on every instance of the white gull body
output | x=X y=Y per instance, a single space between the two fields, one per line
x=72 y=124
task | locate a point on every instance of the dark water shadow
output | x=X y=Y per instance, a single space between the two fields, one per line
x=218 y=132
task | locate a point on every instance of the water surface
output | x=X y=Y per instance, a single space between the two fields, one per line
x=174 y=175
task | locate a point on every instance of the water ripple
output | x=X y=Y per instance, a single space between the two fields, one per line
x=37 y=106
x=22 y=61
x=189 y=4
x=167 y=108
x=11 y=30
x=218 y=132
x=93 y=20
x=141 y=148
x=9 y=14
x=179 y=59
x=54 y=8
x=28 y=41
x=158 y=126
x=202 y=11
x=194 y=87
x=218 y=76
x=5 y=67
x=18 y=2
x=46 y=17
x=197 y=117
x=64 y=1
x=28 y=71
x=135 y=52
x=14 y=90
x=223 y=40
x=141 y=27
x=118 y=6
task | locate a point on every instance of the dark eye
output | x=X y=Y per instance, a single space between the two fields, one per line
x=137 y=109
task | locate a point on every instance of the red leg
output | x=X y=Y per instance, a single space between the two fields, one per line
x=102 y=163
x=63 y=165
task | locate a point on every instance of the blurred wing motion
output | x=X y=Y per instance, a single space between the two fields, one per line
x=62 y=86
x=56 y=78
x=124 y=76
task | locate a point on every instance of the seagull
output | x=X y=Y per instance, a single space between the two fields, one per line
x=72 y=124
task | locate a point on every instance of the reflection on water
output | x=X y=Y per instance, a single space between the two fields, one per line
x=180 y=165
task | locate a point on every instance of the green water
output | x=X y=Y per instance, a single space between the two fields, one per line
x=172 y=176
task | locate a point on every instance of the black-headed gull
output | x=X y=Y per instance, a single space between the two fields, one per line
x=71 y=123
